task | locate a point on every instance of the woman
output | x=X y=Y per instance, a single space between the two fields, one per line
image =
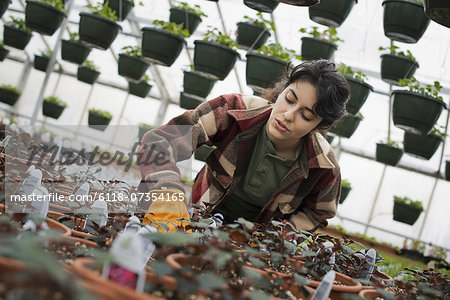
x=271 y=162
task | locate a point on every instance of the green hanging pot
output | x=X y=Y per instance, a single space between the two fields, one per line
x=3 y=53
x=300 y=2
x=160 y=46
x=267 y=6
x=395 y=67
x=74 y=52
x=87 y=75
x=131 y=67
x=202 y=152
x=15 y=37
x=263 y=71
x=43 y=18
x=8 y=97
x=140 y=89
x=188 y=101
x=438 y=11
x=329 y=138
x=96 y=31
x=344 y=193
x=447 y=170
x=421 y=146
x=196 y=83
x=189 y=19
x=405 y=213
x=331 y=12
x=359 y=92
x=249 y=34
x=214 y=59
x=52 y=110
x=97 y=121
x=404 y=20
x=3 y=6
x=415 y=112
x=143 y=130
x=346 y=126
x=388 y=154
x=121 y=7
x=313 y=49
x=41 y=63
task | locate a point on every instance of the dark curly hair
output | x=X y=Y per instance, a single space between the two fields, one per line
x=332 y=89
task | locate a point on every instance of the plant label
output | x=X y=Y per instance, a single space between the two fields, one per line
x=133 y=225
x=99 y=216
x=31 y=182
x=82 y=192
x=148 y=245
x=323 y=290
x=365 y=271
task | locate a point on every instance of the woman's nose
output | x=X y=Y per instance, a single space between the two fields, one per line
x=289 y=115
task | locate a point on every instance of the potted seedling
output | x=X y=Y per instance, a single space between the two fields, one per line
x=3 y=51
x=359 y=89
x=15 y=34
x=53 y=107
x=346 y=126
x=321 y=45
x=417 y=109
x=98 y=28
x=330 y=12
x=3 y=6
x=388 y=152
x=99 y=119
x=9 y=94
x=41 y=61
x=163 y=43
x=44 y=16
x=215 y=54
x=131 y=65
x=346 y=188
x=254 y=32
x=73 y=50
x=406 y=210
x=186 y=15
x=88 y=72
x=121 y=7
x=404 y=20
x=397 y=64
x=141 y=88
x=436 y=10
x=423 y=145
x=143 y=128
x=267 y=6
x=196 y=83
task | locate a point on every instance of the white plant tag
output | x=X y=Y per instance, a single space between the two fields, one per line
x=323 y=290
x=366 y=269
x=133 y=225
x=148 y=245
x=99 y=216
x=31 y=182
x=82 y=192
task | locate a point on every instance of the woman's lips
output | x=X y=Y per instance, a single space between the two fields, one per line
x=280 y=126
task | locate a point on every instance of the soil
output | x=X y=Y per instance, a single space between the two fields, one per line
x=67 y=252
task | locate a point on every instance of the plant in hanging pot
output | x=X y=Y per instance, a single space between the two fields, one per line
x=53 y=107
x=3 y=6
x=254 y=33
x=143 y=128
x=407 y=210
x=9 y=94
x=300 y=2
x=15 y=34
x=388 y=152
x=190 y=101
x=359 y=89
x=188 y=16
x=141 y=88
x=346 y=188
x=267 y=6
x=44 y=16
x=196 y=83
x=121 y=7
x=131 y=65
x=88 y=72
x=73 y=50
x=418 y=109
x=98 y=28
x=346 y=126
x=41 y=61
x=330 y=12
x=3 y=51
x=447 y=170
x=423 y=145
x=321 y=45
x=436 y=10
x=99 y=119
x=163 y=43
x=215 y=54
x=397 y=64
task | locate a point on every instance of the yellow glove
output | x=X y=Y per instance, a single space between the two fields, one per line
x=167 y=205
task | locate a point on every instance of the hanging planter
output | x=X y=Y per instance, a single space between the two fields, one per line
x=330 y=12
x=346 y=126
x=121 y=7
x=140 y=89
x=388 y=154
x=313 y=49
x=44 y=18
x=267 y=6
x=421 y=146
x=131 y=66
x=143 y=128
x=16 y=37
x=346 y=188
x=99 y=119
x=74 y=51
x=359 y=91
x=3 y=6
x=436 y=10
x=188 y=101
x=87 y=72
x=41 y=61
x=203 y=152
x=9 y=94
x=395 y=67
x=189 y=17
x=404 y=21
x=97 y=31
x=447 y=170
x=196 y=83
x=300 y=2
x=262 y=71
x=254 y=33
x=3 y=52
x=406 y=210
x=53 y=107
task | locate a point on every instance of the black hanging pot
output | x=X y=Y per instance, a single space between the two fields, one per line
x=263 y=71
x=359 y=92
x=313 y=49
x=52 y=110
x=346 y=126
x=415 y=112
x=3 y=6
x=300 y=2
x=395 y=67
x=132 y=68
x=140 y=89
x=42 y=17
x=96 y=31
x=74 y=52
x=404 y=20
x=189 y=101
x=438 y=11
x=214 y=59
x=189 y=20
x=331 y=12
x=41 y=63
x=202 y=152
x=344 y=193
x=267 y=6
x=160 y=46
x=388 y=154
x=447 y=170
x=8 y=97
x=3 y=53
x=405 y=213
x=196 y=83
x=420 y=145
x=121 y=7
x=87 y=75
x=98 y=122
x=249 y=34
x=15 y=37
x=143 y=130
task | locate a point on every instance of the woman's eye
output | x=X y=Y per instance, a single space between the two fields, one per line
x=288 y=101
x=306 y=118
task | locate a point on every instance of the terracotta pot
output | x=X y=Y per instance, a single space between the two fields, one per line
x=52 y=224
x=82 y=241
x=371 y=294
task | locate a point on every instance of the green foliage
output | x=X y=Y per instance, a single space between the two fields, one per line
x=196 y=9
x=329 y=34
x=346 y=183
x=439 y=131
x=145 y=78
x=347 y=71
x=174 y=28
x=132 y=51
x=394 y=51
x=19 y=24
x=216 y=36
x=438 y=252
x=1 y=43
x=147 y=126
x=418 y=246
x=103 y=10
x=102 y=113
x=428 y=90
x=261 y=22
x=74 y=36
x=46 y=53
x=11 y=88
x=58 y=4
x=408 y=201
x=55 y=100
x=390 y=142
x=278 y=51
x=90 y=64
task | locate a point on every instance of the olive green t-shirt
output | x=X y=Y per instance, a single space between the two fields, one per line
x=262 y=177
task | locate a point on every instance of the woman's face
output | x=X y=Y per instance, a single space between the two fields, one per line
x=293 y=116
